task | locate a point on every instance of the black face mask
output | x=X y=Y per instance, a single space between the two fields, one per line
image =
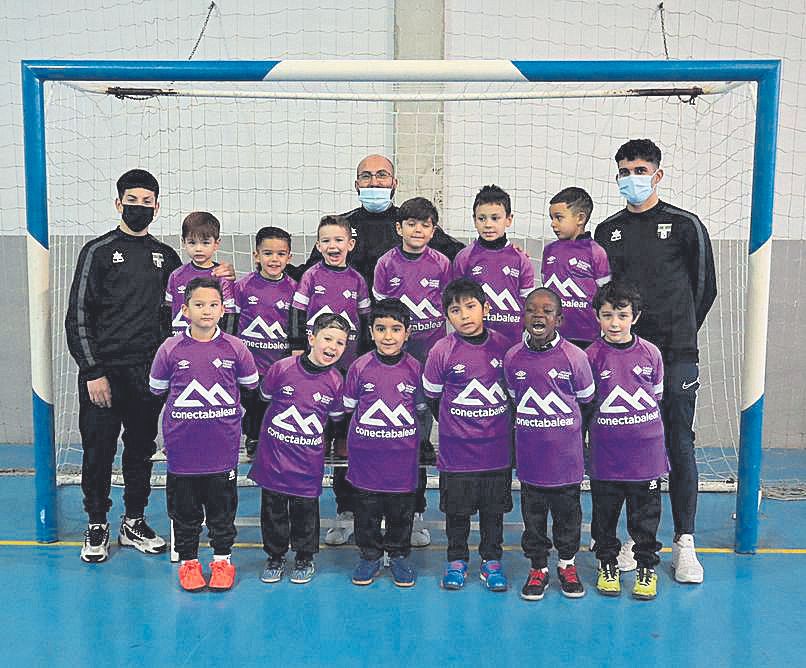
x=136 y=217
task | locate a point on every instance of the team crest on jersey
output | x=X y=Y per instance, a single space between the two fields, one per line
x=322 y=398
x=664 y=230
x=117 y=257
x=642 y=370
x=405 y=388
x=511 y=271
x=579 y=264
x=495 y=363
x=226 y=364
x=350 y=294
x=282 y=305
x=477 y=270
x=430 y=282
x=615 y=235
x=253 y=300
x=158 y=259
x=563 y=374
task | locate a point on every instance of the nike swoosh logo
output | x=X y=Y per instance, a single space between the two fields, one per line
x=686 y=386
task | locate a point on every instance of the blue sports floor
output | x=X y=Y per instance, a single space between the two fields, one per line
x=58 y=611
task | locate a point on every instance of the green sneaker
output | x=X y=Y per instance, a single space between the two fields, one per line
x=646 y=584
x=609 y=580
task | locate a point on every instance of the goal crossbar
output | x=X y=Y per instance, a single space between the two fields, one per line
x=764 y=73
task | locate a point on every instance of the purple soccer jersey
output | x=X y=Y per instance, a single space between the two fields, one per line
x=323 y=289
x=418 y=284
x=506 y=276
x=382 y=441
x=201 y=421
x=263 y=324
x=290 y=454
x=175 y=293
x=475 y=421
x=575 y=270
x=547 y=387
x=626 y=432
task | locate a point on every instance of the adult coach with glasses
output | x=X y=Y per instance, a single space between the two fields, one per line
x=667 y=253
x=373 y=225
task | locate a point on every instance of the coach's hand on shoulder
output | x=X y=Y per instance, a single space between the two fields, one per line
x=100 y=392
x=224 y=270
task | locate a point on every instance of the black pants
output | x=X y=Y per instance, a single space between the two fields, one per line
x=255 y=410
x=193 y=499
x=284 y=517
x=463 y=494
x=345 y=493
x=643 y=517
x=680 y=384
x=137 y=411
x=370 y=509
x=566 y=522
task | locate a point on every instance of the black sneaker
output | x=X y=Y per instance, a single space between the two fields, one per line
x=428 y=456
x=536 y=584
x=251 y=448
x=96 y=543
x=569 y=582
x=134 y=532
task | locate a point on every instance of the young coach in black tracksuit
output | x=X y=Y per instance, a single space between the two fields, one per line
x=374 y=232
x=666 y=252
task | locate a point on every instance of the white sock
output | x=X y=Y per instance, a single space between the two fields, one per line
x=188 y=561
x=131 y=520
x=565 y=563
x=222 y=557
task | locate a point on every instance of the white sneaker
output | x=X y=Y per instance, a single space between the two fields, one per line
x=420 y=535
x=134 y=532
x=341 y=531
x=687 y=568
x=96 y=543
x=626 y=558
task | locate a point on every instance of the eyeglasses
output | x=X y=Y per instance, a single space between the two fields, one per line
x=366 y=177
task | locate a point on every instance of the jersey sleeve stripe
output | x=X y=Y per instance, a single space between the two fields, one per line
x=264 y=396
x=349 y=402
x=432 y=388
x=249 y=380
x=364 y=304
x=158 y=384
x=378 y=295
x=302 y=299
x=658 y=389
x=525 y=291
x=603 y=281
x=587 y=392
x=336 y=414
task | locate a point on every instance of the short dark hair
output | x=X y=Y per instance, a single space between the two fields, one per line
x=620 y=294
x=418 y=208
x=325 y=320
x=639 y=149
x=576 y=199
x=493 y=194
x=137 y=178
x=462 y=288
x=390 y=308
x=339 y=221
x=272 y=233
x=201 y=225
x=558 y=302
x=202 y=282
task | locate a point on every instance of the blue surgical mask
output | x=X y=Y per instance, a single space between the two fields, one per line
x=375 y=200
x=636 y=188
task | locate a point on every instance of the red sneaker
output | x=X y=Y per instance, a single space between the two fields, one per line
x=222 y=575
x=191 y=577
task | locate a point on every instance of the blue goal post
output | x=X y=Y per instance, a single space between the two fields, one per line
x=765 y=73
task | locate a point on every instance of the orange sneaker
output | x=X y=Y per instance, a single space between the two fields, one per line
x=191 y=577
x=222 y=575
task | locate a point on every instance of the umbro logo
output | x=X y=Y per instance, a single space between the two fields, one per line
x=551 y=259
x=477 y=270
x=253 y=300
x=117 y=257
x=394 y=281
x=287 y=390
x=319 y=289
x=606 y=374
x=181 y=289
x=369 y=387
x=520 y=374
x=458 y=368
x=183 y=364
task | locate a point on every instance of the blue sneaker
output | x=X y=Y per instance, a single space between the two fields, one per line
x=403 y=572
x=302 y=572
x=454 y=576
x=366 y=571
x=492 y=574
x=273 y=572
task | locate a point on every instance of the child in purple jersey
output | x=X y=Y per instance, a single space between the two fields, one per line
x=263 y=300
x=416 y=274
x=201 y=370
x=628 y=454
x=201 y=238
x=383 y=390
x=330 y=286
x=504 y=272
x=303 y=391
x=548 y=378
x=574 y=266
x=463 y=380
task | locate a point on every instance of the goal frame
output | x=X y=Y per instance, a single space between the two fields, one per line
x=765 y=73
